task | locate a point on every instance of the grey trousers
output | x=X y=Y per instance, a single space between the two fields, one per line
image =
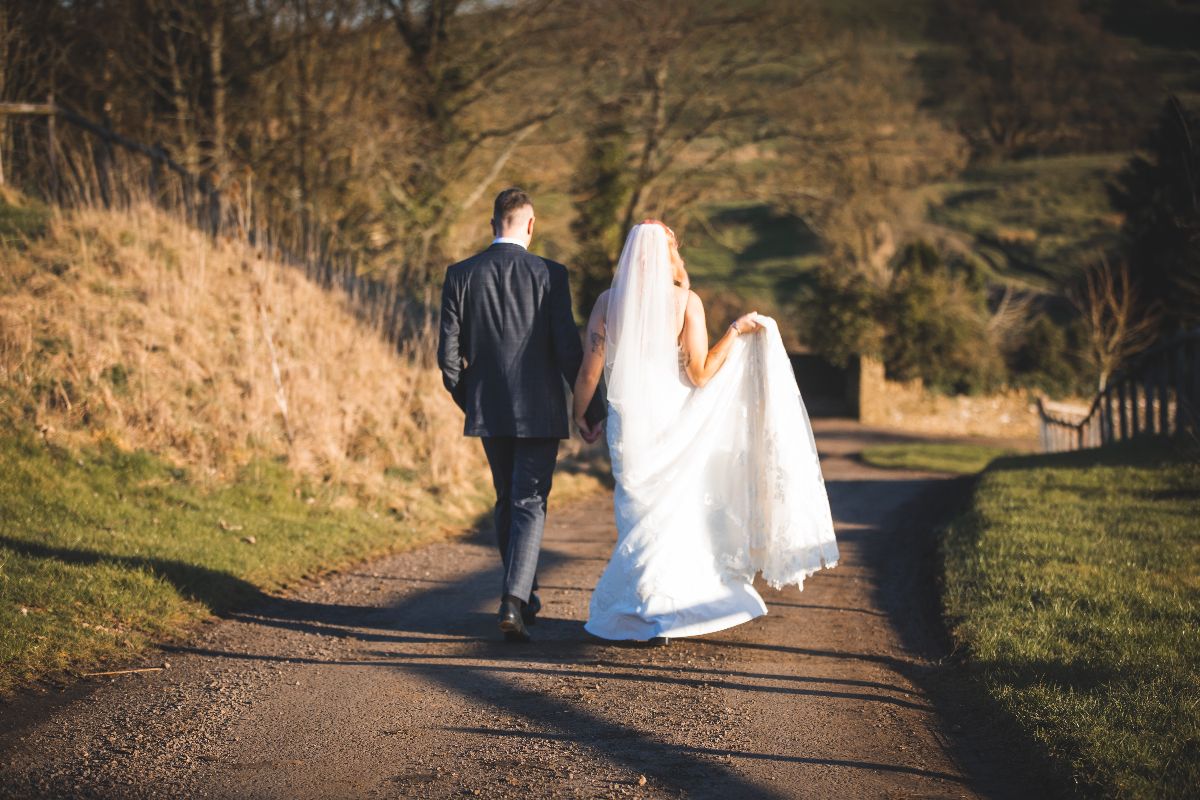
x=522 y=471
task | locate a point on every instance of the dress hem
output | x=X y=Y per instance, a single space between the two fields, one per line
x=684 y=631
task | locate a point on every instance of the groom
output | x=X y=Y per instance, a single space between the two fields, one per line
x=507 y=342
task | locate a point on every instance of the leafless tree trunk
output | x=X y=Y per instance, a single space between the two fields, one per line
x=220 y=138
x=456 y=61
x=185 y=118
x=1117 y=324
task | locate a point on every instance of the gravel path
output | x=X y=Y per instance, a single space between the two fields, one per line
x=389 y=680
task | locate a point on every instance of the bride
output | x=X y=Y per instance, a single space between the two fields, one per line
x=717 y=475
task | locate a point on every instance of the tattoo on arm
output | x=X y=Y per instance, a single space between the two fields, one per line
x=597 y=340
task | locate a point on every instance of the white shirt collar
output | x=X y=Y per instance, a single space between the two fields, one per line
x=509 y=240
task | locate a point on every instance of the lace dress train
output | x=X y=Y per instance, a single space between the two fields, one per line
x=714 y=485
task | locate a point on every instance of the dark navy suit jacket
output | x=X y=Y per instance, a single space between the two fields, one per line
x=508 y=342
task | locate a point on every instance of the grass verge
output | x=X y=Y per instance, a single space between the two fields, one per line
x=104 y=551
x=1072 y=585
x=955 y=457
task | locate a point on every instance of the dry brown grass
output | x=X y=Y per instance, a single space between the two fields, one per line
x=133 y=327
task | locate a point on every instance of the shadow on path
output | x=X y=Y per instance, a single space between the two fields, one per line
x=475 y=665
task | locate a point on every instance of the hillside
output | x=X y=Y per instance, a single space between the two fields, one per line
x=131 y=328
x=185 y=426
x=1032 y=222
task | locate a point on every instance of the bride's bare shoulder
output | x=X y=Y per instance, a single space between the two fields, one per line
x=600 y=308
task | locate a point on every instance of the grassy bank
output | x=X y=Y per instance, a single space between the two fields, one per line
x=1072 y=587
x=959 y=458
x=104 y=551
x=131 y=327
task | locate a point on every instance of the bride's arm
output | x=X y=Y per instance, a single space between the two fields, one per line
x=592 y=367
x=699 y=362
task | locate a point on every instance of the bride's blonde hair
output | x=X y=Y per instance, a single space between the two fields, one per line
x=663 y=225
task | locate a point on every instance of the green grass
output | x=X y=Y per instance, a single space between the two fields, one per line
x=19 y=223
x=955 y=457
x=1073 y=586
x=749 y=245
x=106 y=551
x=1035 y=220
x=751 y=249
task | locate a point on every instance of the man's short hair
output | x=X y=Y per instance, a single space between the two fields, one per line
x=509 y=202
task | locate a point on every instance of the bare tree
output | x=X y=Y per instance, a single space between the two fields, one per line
x=859 y=186
x=696 y=98
x=1117 y=324
x=461 y=56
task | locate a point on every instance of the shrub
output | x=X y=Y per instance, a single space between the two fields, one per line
x=1047 y=358
x=842 y=319
x=936 y=322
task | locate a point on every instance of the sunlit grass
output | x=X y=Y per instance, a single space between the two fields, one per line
x=955 y=457
x=1038 y=220
x=104 y=551
x=1073 y=586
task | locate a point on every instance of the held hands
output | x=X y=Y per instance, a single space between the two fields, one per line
x=747 y=323
x=589 y=433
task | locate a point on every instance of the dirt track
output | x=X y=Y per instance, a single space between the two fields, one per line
x=390 y=680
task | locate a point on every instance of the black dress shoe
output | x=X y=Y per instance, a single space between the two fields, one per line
x=511 y=622
x=658 y=641
x=529 y=611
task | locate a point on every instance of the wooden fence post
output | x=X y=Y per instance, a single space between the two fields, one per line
x=1148 y=388
x=1135 y=415
x=52 y=145
x=1106 y=428
x=1189 y=387
x=156 y=173
x=1164 y=394
x=101 y=158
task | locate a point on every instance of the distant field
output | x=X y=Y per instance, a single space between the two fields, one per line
x=1072 y=587
x=751 y=248
x=1033 y=222
x=1036 y=220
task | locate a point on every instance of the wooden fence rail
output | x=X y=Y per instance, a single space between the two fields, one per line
x=91 y=173
x=1157 y=395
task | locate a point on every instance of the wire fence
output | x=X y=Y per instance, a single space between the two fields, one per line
x=70 y=160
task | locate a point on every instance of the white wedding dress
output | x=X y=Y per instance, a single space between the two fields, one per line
x=713 y=484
